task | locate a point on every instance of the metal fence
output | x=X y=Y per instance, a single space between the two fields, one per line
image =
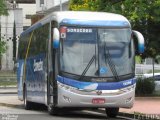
x=142 y=69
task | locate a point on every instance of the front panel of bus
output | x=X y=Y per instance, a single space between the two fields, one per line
x=96 y=66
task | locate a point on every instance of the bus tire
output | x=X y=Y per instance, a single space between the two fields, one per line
x=112 y=112
x=27 y=104
x=52 y=110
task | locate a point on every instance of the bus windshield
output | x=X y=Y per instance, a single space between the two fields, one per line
x=97 y=52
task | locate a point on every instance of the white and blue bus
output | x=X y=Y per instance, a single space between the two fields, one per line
x=79 y=60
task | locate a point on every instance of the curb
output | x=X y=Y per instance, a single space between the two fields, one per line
x=8 y=92
x=8 y=87
x=144 y=98
x=135 y=115
x=8 y=105
x=130 y=115
x=140 y=116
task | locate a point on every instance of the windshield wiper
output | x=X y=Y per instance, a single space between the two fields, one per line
x=87 y=67
x=110 y=62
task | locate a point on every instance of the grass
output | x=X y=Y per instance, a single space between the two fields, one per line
x=155 y=71
x=4 y=84
x=8 y=81
x=7 y=73
x=8 y=78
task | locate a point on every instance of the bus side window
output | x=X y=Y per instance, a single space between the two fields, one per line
x=39 y=41
x=23 y=46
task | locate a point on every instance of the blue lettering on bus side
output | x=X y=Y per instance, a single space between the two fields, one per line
x=35 y=75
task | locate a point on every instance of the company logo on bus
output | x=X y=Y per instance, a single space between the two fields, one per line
x=79 y=30
x=38 y=66
x=127 y=83
x=99 y=92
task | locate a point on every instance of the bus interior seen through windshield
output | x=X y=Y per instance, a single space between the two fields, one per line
x=97 y=52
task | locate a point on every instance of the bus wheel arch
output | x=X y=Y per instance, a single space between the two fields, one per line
x=27 y=104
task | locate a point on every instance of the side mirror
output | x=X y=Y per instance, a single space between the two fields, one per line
x=140 y=41
x=56 y=38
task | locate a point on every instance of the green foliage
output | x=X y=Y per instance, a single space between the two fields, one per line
x=138 y=60
x=144 y=16
x=3 y=11
x=3 y=47
x=3 y=8
x=83 y=5
x=145 y=86
x=14 y=41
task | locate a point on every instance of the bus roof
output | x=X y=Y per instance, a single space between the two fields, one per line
x=84 y=15
x=81 y=17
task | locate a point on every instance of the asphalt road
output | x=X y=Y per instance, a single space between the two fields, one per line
x=12 y=109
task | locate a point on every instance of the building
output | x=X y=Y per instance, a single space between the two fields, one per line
x=44 y=7
x=28 y=11
x=22 y=1
x=21 y=15
x=22 y=12
x=48 y=6
x=6 y=32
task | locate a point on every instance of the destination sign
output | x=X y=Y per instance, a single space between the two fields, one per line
x=79 y=30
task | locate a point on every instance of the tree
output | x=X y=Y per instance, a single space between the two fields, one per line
x=14 y=42
x=3 y=8
x=144 y=16
x=3 y=11
x=83 y=5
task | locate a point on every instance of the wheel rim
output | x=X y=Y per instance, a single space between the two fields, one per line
x=50 y=108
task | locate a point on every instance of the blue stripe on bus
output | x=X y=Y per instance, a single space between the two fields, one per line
x=141 y=48
x=30 y=29
x=96 y=86
x=103 y=23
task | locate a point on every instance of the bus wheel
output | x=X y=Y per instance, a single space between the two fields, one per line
x=112 y=112
x=52 y=110
x=27 y=104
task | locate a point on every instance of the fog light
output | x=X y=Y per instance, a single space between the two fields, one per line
x=67 y=99
x=128 y=100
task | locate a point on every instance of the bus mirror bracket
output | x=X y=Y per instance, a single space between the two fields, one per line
x=56 y=38
x=140 y=39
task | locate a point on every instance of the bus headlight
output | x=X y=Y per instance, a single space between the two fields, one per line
x=129 y=88
x=66 y=87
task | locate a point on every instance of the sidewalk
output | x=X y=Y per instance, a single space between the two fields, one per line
x=8 y=90
x=145 y=105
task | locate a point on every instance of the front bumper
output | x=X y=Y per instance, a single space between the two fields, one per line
x=69 y=97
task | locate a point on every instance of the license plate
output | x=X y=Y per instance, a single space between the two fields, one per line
x=98 y=101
